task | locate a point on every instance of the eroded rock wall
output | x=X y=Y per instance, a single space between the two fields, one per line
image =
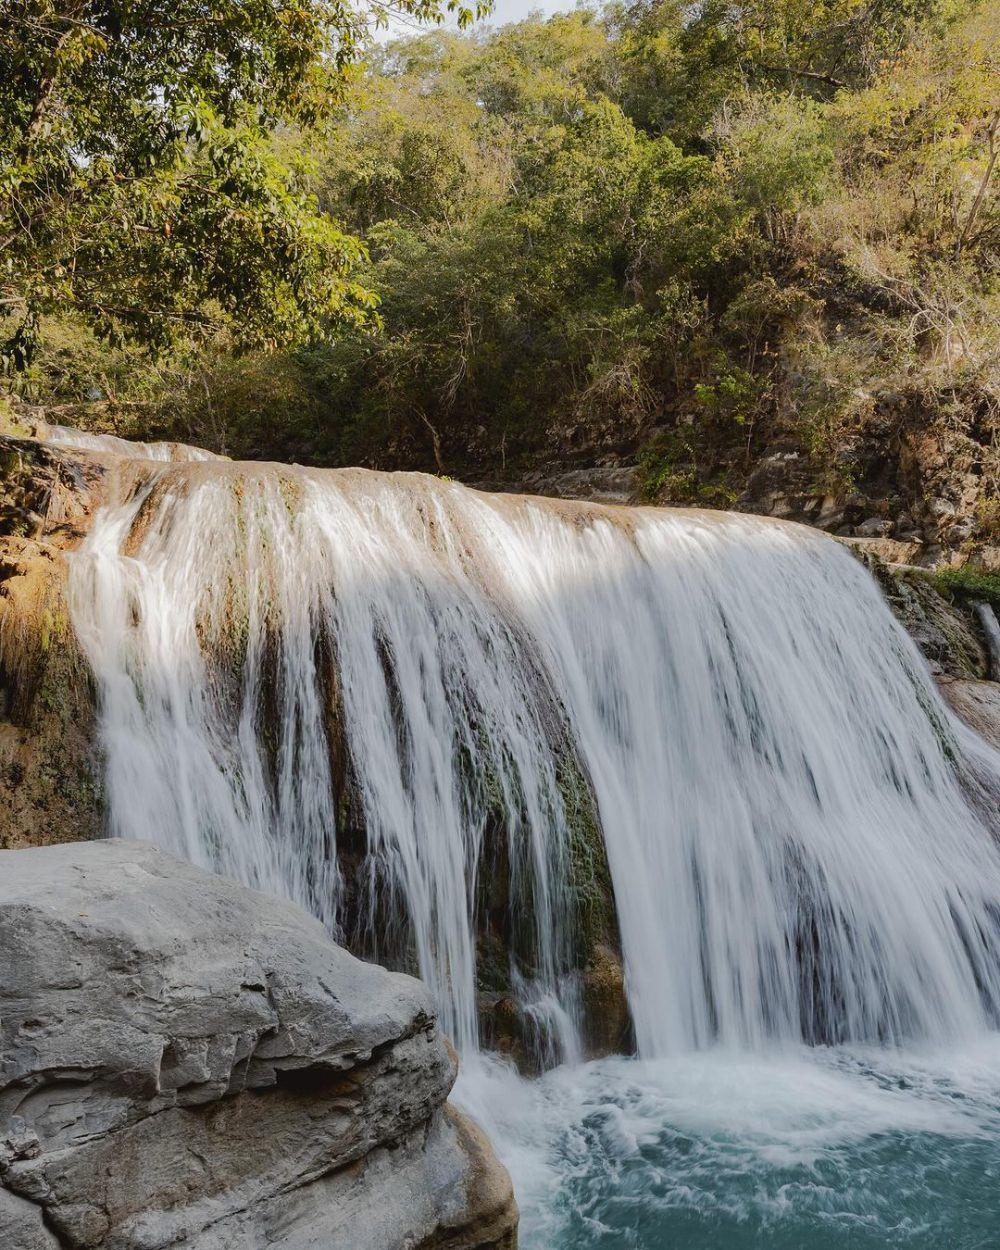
x=50 y=774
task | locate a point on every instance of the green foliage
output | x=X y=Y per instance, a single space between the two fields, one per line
x=966 y=582
x=556 y=259
x=677 y=465
x=731 y=396
x=139 y=185
x=679 y=62
x=665 y=231
x=541 y=271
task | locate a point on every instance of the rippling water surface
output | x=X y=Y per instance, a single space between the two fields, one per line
x=812 y=1149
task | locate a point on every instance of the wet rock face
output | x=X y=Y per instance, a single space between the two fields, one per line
x=50 y=773
x=977 y=703
x=50 y=777
x=608 y=1028
x=946 y=635
x=955 y=639
x=189 y=1063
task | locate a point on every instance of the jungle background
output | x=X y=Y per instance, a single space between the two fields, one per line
x=748 y=253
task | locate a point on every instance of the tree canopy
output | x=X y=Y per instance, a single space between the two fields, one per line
x=140 y=186
x=649 y=218
x=678 y=232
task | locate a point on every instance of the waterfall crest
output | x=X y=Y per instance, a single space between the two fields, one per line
x=111 y=445
x=790 y=815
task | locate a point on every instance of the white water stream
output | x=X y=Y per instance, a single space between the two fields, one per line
x=799 y=847
x=112 y=445
x=792 y=851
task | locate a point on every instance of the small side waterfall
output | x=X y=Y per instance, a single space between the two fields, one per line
x=790 y=815
x=112 y=445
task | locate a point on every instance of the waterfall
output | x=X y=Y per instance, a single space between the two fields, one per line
x=112 y=445
x=383 y=696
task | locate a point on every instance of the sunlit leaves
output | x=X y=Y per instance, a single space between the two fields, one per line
x=140 y=183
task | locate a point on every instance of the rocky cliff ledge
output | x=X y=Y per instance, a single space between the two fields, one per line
x=50 y=776
x=188 y=1063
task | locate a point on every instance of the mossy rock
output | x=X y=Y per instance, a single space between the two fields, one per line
x=592 y=958
x=941 y=625
x=607 y=1021
x=50 y=773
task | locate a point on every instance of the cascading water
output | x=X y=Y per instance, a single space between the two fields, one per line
x=112 y=445
x=802 y=840
x=223 y=611
x=791 y=848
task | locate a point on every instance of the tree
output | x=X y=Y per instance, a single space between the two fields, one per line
x=671 y=231
x=677 y=61
x=139 y=185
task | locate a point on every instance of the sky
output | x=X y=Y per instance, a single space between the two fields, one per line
x=513 y=10
x=503 y=11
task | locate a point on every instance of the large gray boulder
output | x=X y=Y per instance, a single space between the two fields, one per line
x=189 y=1063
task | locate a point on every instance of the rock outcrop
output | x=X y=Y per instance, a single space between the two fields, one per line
x=947 y=632
x=977 y=703
x=50 y=777
x=189 y=1063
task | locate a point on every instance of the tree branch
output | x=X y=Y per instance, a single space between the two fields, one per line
x=977 y=203
x=811 y=75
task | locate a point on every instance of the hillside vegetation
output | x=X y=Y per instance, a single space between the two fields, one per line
x=753 y=249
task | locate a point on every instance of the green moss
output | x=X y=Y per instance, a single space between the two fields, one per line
x=10 y=423
x=506 y=927
x=492 y=964
x=53 y=628
x=960 y=584
x=590 y=876
x=291 y=494
x=62 y=675
x=51 y=787
x=71 y=781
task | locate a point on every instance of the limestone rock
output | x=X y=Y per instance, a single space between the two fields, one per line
x=944 y=633
x=618 y=484
x=977 y=703
x=874 y=527
x=22 y=1226
x=49 y=774
x=990 y=628
x=189 y=1063
x=888 y=550
x=614 y=484
x=609 y=1029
